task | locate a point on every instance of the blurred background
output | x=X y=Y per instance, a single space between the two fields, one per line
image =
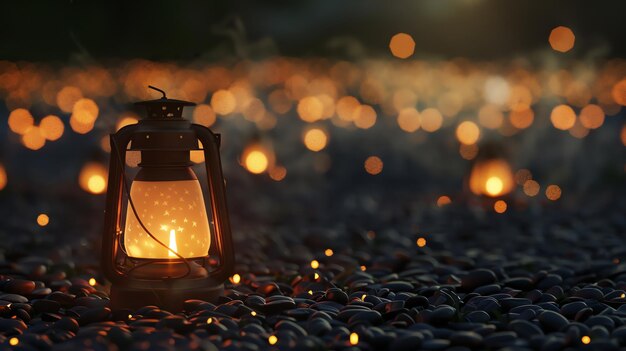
x=332 y=113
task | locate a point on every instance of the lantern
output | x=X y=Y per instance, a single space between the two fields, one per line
x=166 y=239
x=491 y=177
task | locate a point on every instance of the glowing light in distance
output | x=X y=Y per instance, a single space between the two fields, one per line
x=409 y=119
x=431 y=119
x=93 y=178
x=585 y=339
x=443 y=200
x=328 y=252
x=43 y=220
x=315 y=264
x=562 y=39
x=235 y=279
x=402 y=45
x=223 y=102
x=373 y=165
x=33 y=138
x=20 y=121
x=52 y=127
x=531 y=188
x=563 y=117
x=494 y=186
x=421 y=242
x=315 y=139
x=468 y=133
x=354 y=338
x=92 y=281
x=500 y=206
x=592 y=116
x=553 y=192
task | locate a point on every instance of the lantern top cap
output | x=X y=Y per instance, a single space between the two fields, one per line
x=164 y=108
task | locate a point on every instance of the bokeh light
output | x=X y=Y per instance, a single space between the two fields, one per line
x=52 y=127
x=531 y=188
x=563 y=117
x=592 y=116
x=43 y=220
x=204 y=115
x=553 y=192
x=431 y=119
x=33 y=138
x=364 y=116
x=402 y=45
x=443 y=200
x=20 y=120
x=93 y=178
x=256 y=159
x=409 y=119
x=468 y=133
x=500 y=206
x=223 y=102
x=315 y=139
x=373 y=165
x=491 y=177
x=310 y=109
x=562 y=39
x=3 y=177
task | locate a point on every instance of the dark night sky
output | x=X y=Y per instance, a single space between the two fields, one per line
x=480 y=29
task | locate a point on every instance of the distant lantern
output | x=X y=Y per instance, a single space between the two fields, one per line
x=160 y=244
x=491 y=176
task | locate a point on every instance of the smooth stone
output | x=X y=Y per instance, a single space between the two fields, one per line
x=277 y=306
x=397 y=286
x=415 y=301
x=478 y=317
x=19 y=286
x=442 y=315
x=604 y=321
x=337 y=295
x=92 y=315
x=583 y=314
x=407 y=342
x=512 y=302
x=14 y=298
x=291 y=326
x=552 y=321
x=369 y=317
x=549 y=281
x=66 y=300
x=590 y=293
x=49 y=306
x=436 y=344
x=8 y=325
x=525 y=329
x=318 y=326
x=488 y=289
x=476 y=278
x=466 y=338
x=520 y=283
x=569 y=310
x=499 y=339
x=67 y=323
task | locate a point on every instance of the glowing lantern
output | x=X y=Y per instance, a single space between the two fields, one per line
x=491 y=177
x=160 y=244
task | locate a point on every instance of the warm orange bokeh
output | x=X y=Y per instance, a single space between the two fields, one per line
x=373 y=165
x=563 y=117
x=467 y=133
x=431 y=119
x=52 y=127
x=20 y=120
x=409 y=119
x=93 y=178
x=315 y=139
x=402 y=45
x=492 y=178
x=204 y=115
x=562 y=39
x=592 y=116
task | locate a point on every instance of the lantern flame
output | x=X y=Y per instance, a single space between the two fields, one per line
x=172 y=244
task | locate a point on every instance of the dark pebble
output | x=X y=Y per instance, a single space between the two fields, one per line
x=552 y=321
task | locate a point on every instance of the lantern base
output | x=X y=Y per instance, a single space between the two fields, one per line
x=124 y=297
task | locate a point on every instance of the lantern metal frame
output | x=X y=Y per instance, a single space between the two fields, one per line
x=167 y=137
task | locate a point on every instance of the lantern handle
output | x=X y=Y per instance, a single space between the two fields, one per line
x=159 y=90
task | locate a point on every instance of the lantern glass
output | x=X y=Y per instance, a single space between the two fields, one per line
x=174 y=212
